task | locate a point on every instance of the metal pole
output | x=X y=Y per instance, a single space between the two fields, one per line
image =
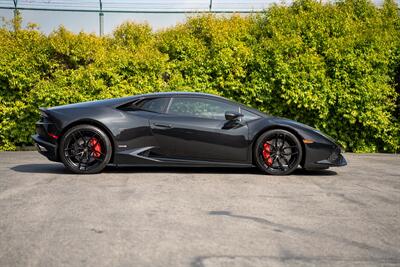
x=101 y=19
x=15 y=15
x=15 y=8
x=210 y=5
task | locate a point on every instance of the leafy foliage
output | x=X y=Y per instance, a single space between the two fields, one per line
x=334 y=66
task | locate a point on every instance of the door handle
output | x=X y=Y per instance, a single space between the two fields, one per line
x=161 y=125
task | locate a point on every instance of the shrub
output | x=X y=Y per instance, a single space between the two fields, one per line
x=334 y=66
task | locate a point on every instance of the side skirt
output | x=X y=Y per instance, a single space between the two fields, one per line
x=139 y=157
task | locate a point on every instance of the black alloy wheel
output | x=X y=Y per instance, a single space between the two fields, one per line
x=85 y=149
x=278 y=152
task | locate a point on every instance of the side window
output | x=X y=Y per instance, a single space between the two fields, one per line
x=248 y=116
x=154 y=104
x=200 y=107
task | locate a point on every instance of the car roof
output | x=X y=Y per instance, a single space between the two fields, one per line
x=172 y=94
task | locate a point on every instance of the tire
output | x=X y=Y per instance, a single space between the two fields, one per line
x=85 y=149
x=277 y=152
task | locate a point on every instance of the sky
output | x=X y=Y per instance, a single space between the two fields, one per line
x=89 y=21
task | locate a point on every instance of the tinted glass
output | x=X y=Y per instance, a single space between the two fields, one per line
x=200 y=107
x=248 y=116
x=155 y=104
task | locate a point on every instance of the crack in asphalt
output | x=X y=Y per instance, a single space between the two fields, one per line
x=298 y=230
x=199 y=261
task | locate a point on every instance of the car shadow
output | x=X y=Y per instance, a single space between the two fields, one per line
x=57 y=168
x=51 y=168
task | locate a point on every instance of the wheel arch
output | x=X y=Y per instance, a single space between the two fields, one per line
x=97 y=124
x=279 y=127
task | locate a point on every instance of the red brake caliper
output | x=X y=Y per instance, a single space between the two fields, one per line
x=96 y=148
x=267 y=154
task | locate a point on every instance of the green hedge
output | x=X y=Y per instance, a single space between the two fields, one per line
x=333 y=66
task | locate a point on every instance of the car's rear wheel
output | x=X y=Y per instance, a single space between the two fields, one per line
x=278 y=152
x=85 y=149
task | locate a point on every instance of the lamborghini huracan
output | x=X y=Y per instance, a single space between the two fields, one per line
x=179 y=129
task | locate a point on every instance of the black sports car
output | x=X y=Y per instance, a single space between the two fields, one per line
x=179 y=129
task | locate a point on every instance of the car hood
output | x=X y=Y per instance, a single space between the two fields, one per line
x=305 y=127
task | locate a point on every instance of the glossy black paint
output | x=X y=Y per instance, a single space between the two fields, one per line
x=142 y=137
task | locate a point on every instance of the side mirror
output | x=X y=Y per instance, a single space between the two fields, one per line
x=232 y=115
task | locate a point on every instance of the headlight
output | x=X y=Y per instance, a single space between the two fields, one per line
x=326 y=136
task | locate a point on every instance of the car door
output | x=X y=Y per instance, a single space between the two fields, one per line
x=135 y=132
x=195 y=128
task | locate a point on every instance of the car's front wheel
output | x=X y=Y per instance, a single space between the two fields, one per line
x=278 y=152
x=85 y=149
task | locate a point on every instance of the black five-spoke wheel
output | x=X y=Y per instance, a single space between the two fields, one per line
x=278 y=152
x=85 y=149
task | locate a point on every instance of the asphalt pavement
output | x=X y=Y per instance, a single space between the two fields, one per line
x=199 y=217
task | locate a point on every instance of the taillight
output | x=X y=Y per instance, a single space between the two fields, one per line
x=53 y=136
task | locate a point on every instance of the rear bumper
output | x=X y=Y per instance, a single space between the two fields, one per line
x=45 y=148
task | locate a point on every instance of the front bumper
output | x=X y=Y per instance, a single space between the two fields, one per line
x=45 y=148
x=319 y=156
x=335 y=160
